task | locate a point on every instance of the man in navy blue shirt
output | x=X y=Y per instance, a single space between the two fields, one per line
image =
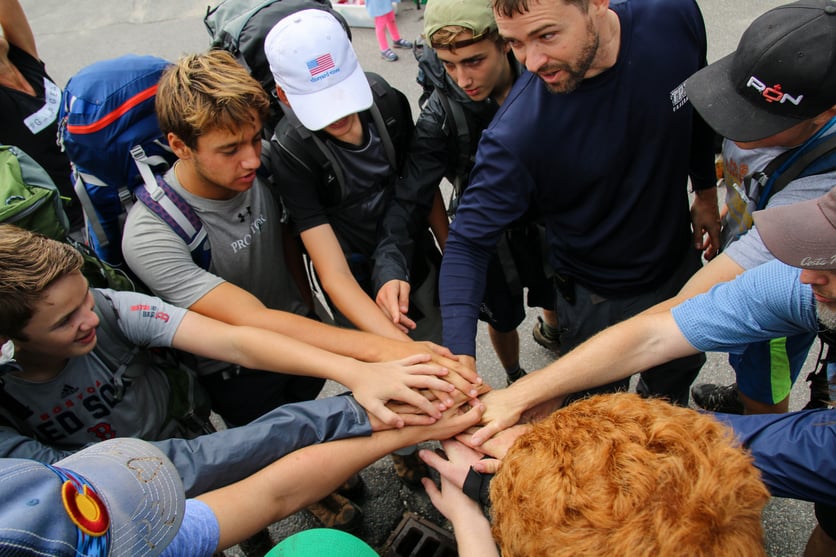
x=599 y=139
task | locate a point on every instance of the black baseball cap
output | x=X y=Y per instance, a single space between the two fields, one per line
x=783 y=72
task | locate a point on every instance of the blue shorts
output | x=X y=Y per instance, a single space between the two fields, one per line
x=766 y=370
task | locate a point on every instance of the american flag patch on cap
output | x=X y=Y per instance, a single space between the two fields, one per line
x=320 y=64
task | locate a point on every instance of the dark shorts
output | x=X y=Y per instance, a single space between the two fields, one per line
x=591 y=313
x=242 y=397
x=766 y=370
x=516 y=278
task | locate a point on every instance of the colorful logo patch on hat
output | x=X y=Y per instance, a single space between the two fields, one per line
x=320 y=64
x=85 y=508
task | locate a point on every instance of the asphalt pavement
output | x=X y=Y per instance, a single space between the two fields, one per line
x=71 y=35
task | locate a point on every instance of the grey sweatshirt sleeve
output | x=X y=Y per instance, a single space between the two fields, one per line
x=218 y=459
x=14 y=444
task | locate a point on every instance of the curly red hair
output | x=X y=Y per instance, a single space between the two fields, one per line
x=623 y=475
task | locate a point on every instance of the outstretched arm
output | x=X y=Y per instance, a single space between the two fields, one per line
x=373 y=384
x=230 y=304
x=309 y=474
x=631 y=346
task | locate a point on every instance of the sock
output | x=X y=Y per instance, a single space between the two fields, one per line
x=515 y=371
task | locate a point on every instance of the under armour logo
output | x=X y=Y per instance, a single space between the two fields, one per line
x=243 y=216
x=68 y=390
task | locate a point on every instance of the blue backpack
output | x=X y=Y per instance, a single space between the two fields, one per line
x=108 y=128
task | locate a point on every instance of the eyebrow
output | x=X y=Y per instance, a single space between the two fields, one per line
x=62 y=318
x=473 y=58
x=534 y=32
x=237 y=142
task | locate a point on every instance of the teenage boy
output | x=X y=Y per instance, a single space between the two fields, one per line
x=472 y=71
x=79 y=368
x=212 y=112
x=621 y=483
x=336 y=163
x=335 y=170
x=599 y=141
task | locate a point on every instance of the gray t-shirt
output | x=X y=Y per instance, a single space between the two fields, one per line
x=748 y=250
x=245 y=235
x=80 y=406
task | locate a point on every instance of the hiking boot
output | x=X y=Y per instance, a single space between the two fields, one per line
x=352 y=487
x=409 y=468
x=402 y=43
x=257 y=545
x=717 y=398
x=388 y=55
x=543 y=338
x=335 y=511
x=514 y=375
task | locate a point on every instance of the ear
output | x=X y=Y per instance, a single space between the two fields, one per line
x=178 y=146
x=282 y=95
x=598 y=6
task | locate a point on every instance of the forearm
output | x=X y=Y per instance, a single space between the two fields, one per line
x=219 y=459
x=358 y=307
x=260 y=349
x=230 y=304
x=16 y=28
x=618 y=352
x=474 y=538
x=16 y=445
x=309 y=474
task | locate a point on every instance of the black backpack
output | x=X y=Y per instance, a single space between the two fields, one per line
x=240 y=27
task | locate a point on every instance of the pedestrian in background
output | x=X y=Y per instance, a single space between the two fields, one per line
x=383 y=14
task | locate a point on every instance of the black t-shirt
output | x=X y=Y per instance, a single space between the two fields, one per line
x=31 y=123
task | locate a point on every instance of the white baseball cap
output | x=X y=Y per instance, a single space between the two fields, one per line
x=312 y=60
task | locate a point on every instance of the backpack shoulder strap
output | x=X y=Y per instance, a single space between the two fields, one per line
x=117 y=366
x=392 y=117
x=816 y=156
x=306 y=148
x=824 y=149
x=170 y=206
x=384 y=113
x=457 y=122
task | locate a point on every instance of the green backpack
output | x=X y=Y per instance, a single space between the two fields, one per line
x=30 y=199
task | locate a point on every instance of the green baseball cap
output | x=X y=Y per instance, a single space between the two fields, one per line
x=322 y=541
x=476 y=15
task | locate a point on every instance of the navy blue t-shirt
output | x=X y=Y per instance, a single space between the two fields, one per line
x=606 y=166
